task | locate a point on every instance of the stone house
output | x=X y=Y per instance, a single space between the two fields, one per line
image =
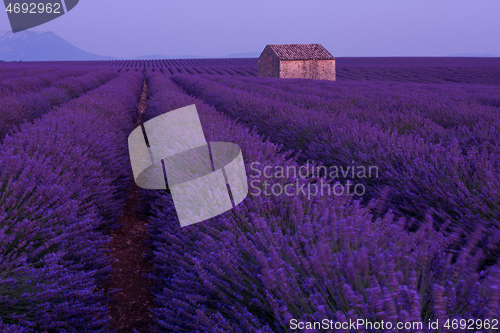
x=307 y=61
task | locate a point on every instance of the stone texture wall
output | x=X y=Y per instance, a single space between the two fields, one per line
x=268 y=64
x=308 y=69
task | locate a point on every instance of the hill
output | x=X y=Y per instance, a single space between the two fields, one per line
x=45 y=46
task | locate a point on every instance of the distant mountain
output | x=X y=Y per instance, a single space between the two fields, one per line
x=485 y=55
x=45 y=46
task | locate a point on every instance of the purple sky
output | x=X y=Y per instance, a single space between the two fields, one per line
x=129 y=28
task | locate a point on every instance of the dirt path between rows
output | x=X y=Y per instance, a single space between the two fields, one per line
x=130 y=306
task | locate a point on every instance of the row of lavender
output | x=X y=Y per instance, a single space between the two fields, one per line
x=458 y=184
x=244 y=67
x=277 y=258
x=226 y=70
x=446 y=75
x=25 y=79
x=14 y=70
x=162 y=63
x=21 y=106
x=348 y=62
x=448 y=70
x=485 y=71
x=437 y=113
x=63 y=177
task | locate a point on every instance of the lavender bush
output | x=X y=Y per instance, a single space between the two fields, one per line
x=17 y=108
x=437 y=113
x=421 y=244
x=11 y=328
x=277 y=258
x=460 y=186
x=63 y=178
x=26 y=79
x=421 y=70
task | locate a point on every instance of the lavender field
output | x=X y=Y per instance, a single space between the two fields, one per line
x=420 y=243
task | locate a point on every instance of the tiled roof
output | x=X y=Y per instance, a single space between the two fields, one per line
x=301 y=52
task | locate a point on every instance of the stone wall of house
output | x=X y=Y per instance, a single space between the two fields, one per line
x=308 y=69
x=268 y=64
